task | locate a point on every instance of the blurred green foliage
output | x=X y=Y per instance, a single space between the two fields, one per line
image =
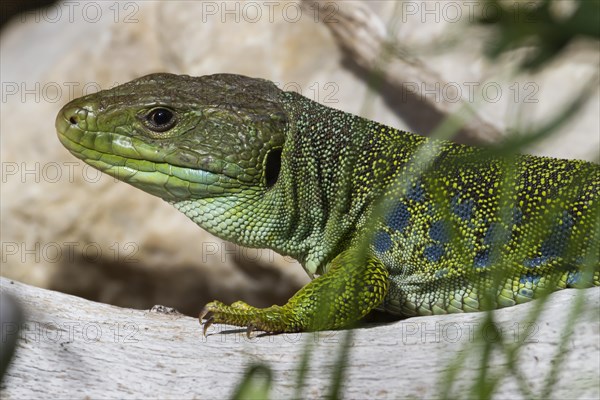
x=543 y=26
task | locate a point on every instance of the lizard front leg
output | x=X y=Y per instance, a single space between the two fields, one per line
x=352 y=286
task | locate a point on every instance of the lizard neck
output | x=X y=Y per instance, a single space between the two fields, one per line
x=330 y=175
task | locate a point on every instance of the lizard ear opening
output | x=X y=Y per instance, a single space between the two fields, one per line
x=272 y=166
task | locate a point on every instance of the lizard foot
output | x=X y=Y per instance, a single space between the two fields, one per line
x=271 y=319
x=352 y=286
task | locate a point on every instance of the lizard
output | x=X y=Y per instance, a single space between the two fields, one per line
x=379 y=218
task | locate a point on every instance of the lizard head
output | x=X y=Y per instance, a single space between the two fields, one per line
x=238 y=156
x=179 y=137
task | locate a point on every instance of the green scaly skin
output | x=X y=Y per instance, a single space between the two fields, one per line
x=461 y=230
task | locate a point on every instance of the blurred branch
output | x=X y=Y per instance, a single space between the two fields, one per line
x=361 y=32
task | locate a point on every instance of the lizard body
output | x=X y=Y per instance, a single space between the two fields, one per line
x=460 y=229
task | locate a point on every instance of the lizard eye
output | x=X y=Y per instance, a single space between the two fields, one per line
x=160 y=119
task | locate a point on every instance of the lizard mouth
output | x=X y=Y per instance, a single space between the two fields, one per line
x=135 y=162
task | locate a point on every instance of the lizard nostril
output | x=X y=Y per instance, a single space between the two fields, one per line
x=76 y=116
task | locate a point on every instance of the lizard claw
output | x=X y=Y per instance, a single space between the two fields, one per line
x=209 y=321
x=203 y=314
x=249 y=330
x=207 y=325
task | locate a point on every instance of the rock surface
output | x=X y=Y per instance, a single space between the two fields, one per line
x=74 y=348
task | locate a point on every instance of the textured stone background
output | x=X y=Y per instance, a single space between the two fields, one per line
x=65 y=227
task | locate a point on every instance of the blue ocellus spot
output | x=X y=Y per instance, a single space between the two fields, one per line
x=496 y=233
x=434 y=252
x=463 y=209
x=382 y=242
x=399 y=217
x=536 y=261
x=525 y=292
x=556 y=243
x=482 y=259
x=439 y=231
x=529 y=277
x=416 y=192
